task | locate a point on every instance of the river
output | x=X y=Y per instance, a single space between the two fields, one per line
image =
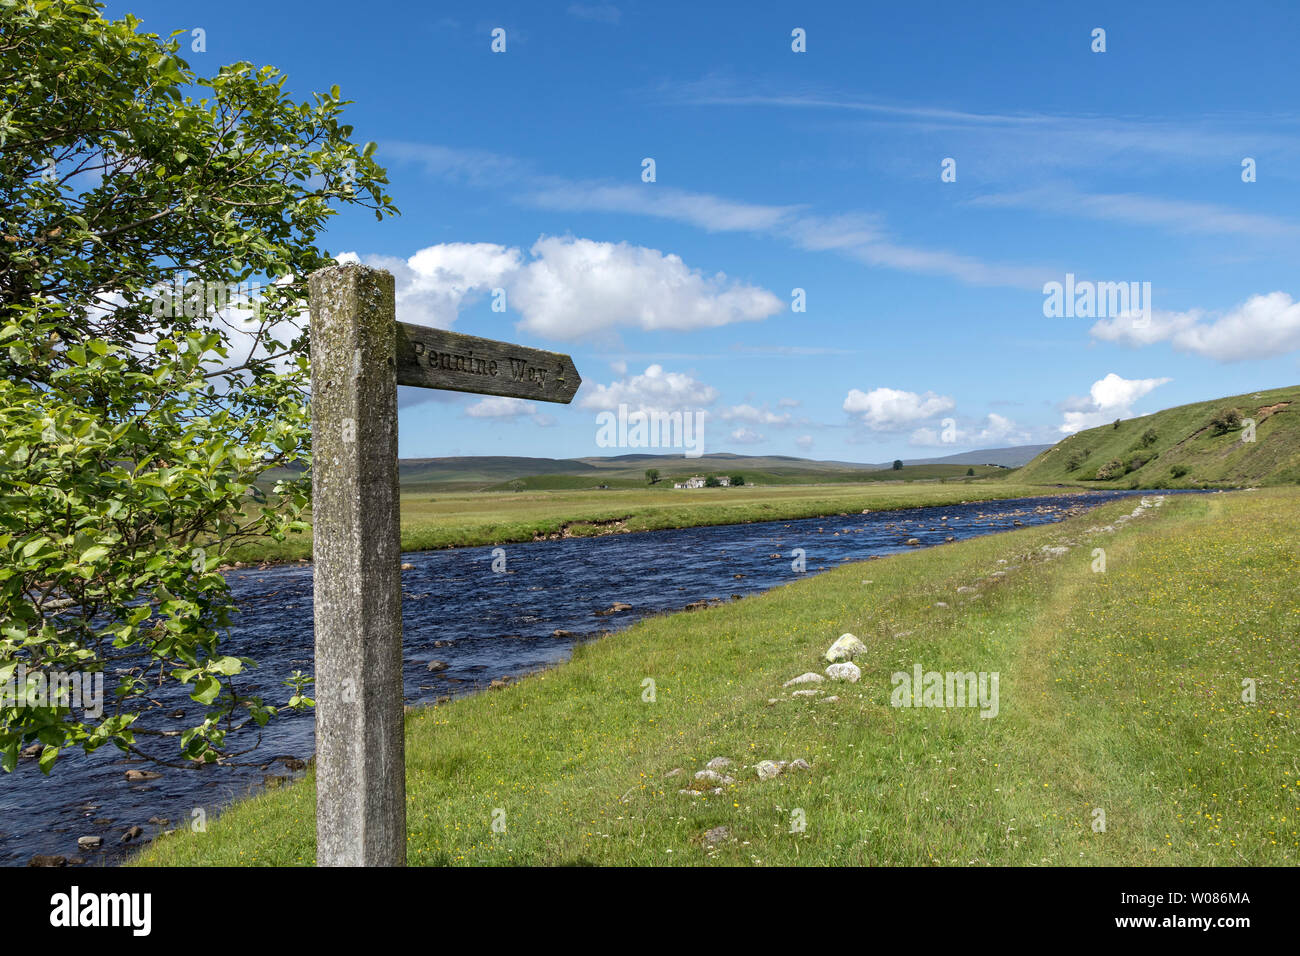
x=482 y=624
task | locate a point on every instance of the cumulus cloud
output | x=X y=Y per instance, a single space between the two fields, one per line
x=566 y=287
x=804 y=441
x=758 y=416
x=1264 y=326
x=654 y=389
x=747 y=436
x=502 y=408
x=890 y=409
x=433 y=285
x=1109 y=398
x=576 y=286
x=995 y=430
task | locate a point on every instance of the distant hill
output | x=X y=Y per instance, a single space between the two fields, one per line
x=1012 y=457
x=1199 y=445
x=500 y=473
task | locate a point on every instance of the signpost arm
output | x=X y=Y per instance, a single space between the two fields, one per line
x=360 y=759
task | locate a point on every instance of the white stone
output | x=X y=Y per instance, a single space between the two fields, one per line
x=705 y=778
x=846 y=670
x=845 y=648
x=808 y=678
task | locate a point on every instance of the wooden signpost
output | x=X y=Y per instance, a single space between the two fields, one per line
x=360 y=353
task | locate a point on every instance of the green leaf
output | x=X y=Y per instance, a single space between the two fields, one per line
x=206 y=689
x=93 y=554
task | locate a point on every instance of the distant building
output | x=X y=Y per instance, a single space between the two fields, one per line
x=696 y=482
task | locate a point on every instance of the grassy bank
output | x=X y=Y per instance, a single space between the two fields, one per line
x=1119 y=691
x=1203 y=445
x=432 y=521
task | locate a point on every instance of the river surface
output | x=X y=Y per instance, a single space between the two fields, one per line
x=482 y=624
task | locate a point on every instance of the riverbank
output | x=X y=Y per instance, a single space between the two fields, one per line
x=1120 y=692
x=434 y=521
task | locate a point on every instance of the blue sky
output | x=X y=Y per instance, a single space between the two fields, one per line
x=924 y=332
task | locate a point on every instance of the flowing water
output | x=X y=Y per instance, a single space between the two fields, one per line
x=482 y=624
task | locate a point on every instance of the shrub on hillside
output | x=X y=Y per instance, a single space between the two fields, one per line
x=1177 y=471
x=1112 y=469
x=1149 y=438
x=1228 y=419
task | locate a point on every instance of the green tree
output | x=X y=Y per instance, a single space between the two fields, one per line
x=970 y=472
x=737 y=480
x=153 y=252
x=712 y=482
x=1226 y=420
x=652 y=475
x=898 y=464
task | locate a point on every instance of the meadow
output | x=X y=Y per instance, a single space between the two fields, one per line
x=1147 y=715
x=433 y=519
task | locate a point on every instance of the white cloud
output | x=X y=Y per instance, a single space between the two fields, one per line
x=571 y=287
x=747 y=436
x=708 y=212
x=790 y=402
x=437 y=282
x=996 y=430
x=599 y=12
x=502 y=408
x=577 y=286
x=1264 y=326
x=1177 y=215
x=1109 y=398
x=804 y=441
x=758 y=416
x=889 y=409
x=653 y=389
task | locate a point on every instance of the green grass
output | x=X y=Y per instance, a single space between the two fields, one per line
x=445 y=520
x=1186 y=451
x=790 y=476
x=1119 y=690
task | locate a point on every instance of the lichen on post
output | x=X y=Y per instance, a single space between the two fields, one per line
x=360 y=758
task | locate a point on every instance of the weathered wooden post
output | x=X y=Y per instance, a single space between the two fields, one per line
x=360 y=760
x=359 y=355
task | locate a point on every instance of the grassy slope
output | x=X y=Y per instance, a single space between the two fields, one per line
x=1184 y=440
x=788 y=476
x=1119 y=690
x=459 y=520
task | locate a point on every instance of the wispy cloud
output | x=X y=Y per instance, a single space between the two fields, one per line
x=859 y=236
x=1177 y=215
x=1060 y=138
x=596 y=12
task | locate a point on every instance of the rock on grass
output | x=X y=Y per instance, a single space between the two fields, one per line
x=845 y=648
x=845 y=671
x=808 y=678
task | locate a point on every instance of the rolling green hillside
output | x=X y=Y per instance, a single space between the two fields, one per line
x=760 y=472
x=1189 y=446
x=506 y=472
